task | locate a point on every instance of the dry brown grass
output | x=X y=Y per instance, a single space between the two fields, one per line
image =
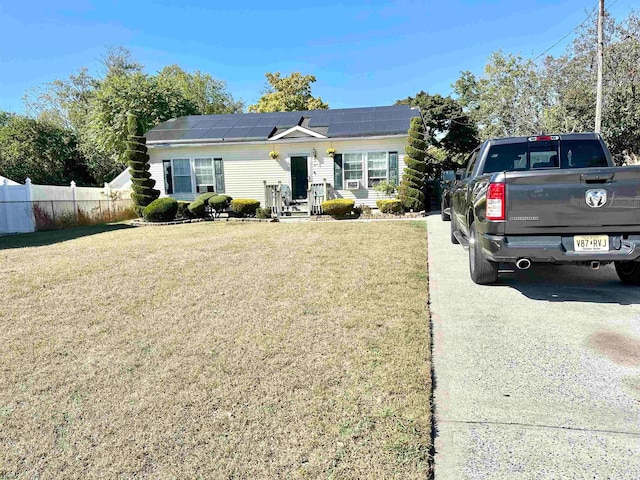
x=216 y=351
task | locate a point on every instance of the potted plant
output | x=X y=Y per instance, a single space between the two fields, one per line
x=331 y=151
x=274 y=154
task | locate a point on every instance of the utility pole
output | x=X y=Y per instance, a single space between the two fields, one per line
x=600 y=63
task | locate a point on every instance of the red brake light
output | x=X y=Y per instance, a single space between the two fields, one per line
x=496 y=202
x=542 y=138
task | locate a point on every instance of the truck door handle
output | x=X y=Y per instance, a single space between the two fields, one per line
x=596 y=177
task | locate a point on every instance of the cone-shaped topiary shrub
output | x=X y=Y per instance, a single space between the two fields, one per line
x=141 y=182
x=338 y=207
x=245 y=207
x=161 y=210
x=411 y=189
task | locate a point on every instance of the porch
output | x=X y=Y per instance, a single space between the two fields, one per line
x=278 y=198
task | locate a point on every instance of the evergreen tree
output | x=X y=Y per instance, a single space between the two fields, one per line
x=141 y=182
x=411 y=189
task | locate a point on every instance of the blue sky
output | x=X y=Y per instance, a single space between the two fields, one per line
x=363 y=53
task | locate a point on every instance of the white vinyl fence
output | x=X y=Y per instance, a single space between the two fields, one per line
x=16 y=214
x=29 y=207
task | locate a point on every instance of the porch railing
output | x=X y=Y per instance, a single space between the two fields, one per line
x=316 y=194
x=273 y=197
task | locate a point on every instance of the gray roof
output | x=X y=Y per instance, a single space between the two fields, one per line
x=246 y=127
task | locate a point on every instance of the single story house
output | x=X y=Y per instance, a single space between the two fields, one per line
x=345 y=152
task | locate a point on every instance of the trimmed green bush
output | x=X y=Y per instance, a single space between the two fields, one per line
x=263 y=213
x=338 y=207
x=198 y=208
x=183 y=209
x=161 y=210
x=219 y=203
x=245 y=207
x=390 y=206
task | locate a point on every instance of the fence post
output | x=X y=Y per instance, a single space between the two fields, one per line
x=4 y=226
x=73 y=198
x=107 y=192
x=29 y=198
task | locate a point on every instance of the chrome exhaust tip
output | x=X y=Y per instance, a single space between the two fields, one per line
x=523 y=264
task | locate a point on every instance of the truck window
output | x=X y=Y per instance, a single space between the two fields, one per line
x=506 y=157
x=582 y=154
x=545 y=155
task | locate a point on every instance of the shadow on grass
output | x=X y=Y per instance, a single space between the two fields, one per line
x=39 y=239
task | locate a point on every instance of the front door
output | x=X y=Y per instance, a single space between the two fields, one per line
x=299 y=177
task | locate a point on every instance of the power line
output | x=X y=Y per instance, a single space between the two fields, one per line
x=573 y=30
x=595 y=9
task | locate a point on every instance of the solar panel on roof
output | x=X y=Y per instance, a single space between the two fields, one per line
x=194 y=134
x=164 y=135
x=215 y=133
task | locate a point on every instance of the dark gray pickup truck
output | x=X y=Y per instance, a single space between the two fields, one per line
x=550 y=199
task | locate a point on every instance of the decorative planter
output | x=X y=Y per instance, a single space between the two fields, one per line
x=331 y=151
x=274 y=154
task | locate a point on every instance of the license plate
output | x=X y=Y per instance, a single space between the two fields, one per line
x=591 y=243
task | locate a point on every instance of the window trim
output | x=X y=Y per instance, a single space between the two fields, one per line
x=213 y=173
x=365 y=165
x=192 y=172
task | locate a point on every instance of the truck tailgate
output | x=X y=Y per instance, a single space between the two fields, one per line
x=554 y=202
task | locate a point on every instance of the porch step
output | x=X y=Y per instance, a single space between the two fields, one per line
x=295 y=213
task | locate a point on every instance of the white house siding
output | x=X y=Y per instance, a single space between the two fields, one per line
x=247 y=165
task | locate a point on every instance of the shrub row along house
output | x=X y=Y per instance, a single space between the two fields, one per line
x=303 y=156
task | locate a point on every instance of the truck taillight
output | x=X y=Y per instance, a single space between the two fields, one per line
x=496 y=201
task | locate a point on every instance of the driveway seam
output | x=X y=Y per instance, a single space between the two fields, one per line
x=534 y=426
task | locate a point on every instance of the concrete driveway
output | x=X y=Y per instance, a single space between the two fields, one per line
x=536 y=377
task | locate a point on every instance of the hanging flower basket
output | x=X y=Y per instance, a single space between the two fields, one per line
x=331 y=151
x=274 y=154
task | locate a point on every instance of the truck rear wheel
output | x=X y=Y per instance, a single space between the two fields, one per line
x=483 y=271
x=628 y=272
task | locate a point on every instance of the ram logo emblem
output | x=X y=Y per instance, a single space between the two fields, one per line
x=596 y=198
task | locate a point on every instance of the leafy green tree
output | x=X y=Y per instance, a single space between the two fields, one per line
x=507 y=100
x=412 y=186
x=141 y=182
x=119 y=95
x=287 y=94
x=450 y=134
x=206 y=94
x=95 y=108
x=46 y=153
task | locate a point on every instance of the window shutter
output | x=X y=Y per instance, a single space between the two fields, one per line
x=337 y=171
x=393 y=167
x=219 y=172
x=168 y=181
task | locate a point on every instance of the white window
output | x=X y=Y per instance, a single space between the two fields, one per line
x=376 y=167
x=182 y=175
x=204 y=175
x=352 y=166
x=375 y=164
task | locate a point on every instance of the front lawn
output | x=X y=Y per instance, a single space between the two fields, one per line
x=257 y=350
